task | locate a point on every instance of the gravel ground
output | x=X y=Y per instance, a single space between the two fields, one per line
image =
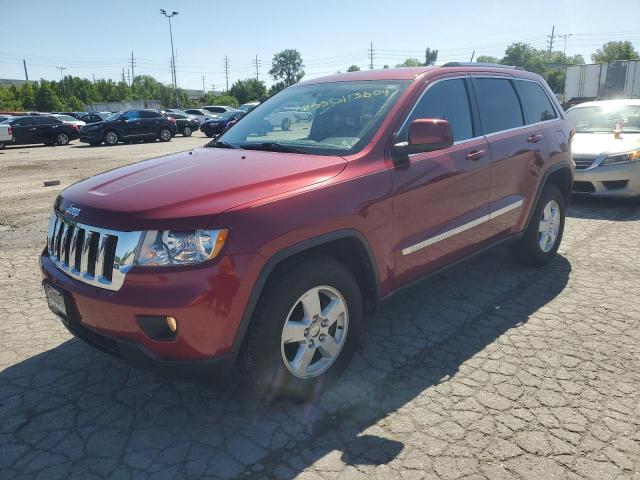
x=487 y=371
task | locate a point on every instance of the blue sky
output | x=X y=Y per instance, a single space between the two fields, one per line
x=88 y=37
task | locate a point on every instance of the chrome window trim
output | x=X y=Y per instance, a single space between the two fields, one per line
x=462 y=228
x=488 y=135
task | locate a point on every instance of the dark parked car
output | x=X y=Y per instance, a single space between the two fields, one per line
x=218 y=125
x=185 y=124
x=128 y=126
x=45 y=129
x=76 y=115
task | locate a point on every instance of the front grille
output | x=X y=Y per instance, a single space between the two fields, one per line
x=615 y=184
x=92 y=255
x=582 y=163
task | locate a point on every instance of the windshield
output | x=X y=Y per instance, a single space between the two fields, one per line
x=326 y=118
x=66 y=118
x=604 y=118
x=114 y=116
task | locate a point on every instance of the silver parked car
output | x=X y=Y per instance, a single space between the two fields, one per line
x=606 y=147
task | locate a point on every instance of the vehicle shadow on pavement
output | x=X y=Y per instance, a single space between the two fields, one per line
x=603 y=208
x=72 y=411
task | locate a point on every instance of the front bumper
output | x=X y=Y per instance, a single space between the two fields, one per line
x=214 y=129
x=91 y=136
x=621 y=180
x=208 y=302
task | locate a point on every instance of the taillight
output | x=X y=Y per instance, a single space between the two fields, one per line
x=73 y=125
x=9 y=131
x=172 y=119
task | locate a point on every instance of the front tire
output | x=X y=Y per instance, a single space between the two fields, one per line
x=2 y=145
x=541 y=240
x=305 y=330
x=164 y=135
x=286 y=124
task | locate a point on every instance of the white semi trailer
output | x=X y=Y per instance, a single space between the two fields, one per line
x=602 y=81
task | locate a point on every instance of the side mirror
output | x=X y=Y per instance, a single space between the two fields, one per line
x=426 y=135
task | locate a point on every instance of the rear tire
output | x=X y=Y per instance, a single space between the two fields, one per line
x=164 y=135
x=541 y=239
x=2 y=145
x=187 y=131
x=321 y=341
x=210 y=135
x=62 y=139
x=111 y=138
x=286 y=124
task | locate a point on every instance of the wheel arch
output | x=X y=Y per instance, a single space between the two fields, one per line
x=560 y=175
x=348 y=246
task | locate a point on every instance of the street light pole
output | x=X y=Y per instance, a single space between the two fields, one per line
x=173 y=58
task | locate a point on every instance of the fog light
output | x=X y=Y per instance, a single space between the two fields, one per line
x=159 y=327
x=172 y=324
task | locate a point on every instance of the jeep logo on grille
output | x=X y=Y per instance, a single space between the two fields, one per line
x=72 y=211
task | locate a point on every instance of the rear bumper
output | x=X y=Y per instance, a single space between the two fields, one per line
x=611 y=181
x=208 y=303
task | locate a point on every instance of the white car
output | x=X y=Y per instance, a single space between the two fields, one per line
x=606 y=147
x=200 y=114
x=6 y=135
x=70 y=119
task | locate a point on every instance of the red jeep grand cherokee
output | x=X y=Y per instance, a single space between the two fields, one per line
x=268 y=248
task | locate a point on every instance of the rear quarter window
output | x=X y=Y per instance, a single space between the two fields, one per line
x=535 y=102
x=498 y=104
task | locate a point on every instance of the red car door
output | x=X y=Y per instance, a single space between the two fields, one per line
x=441 y=198
x=518 y=150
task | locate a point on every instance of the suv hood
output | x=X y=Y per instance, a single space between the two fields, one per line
x=187 y=190
x=596 y=144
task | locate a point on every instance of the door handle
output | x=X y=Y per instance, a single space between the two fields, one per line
x=534 y=138
x=32 y=129
x=475 y=155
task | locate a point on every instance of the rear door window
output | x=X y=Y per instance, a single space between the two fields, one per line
x=132 y=115
x=446 y=100
x=536 y=104
x=148 y=114
x=498 y=104
x=24 y=122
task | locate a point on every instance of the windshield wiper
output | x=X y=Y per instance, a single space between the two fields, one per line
x=221 y=144
x=271 y=147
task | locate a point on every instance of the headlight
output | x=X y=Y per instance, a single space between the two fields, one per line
x=622 y=158
x=173 y=247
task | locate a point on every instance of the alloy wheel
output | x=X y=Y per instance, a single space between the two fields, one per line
x=314 y=332
x=62 y=139
x=549 y=226
x=165 y=135
x=111 y=138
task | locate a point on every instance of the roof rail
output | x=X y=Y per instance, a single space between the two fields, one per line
x=477 y=64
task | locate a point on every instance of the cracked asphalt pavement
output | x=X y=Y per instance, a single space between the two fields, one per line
x=489 y=370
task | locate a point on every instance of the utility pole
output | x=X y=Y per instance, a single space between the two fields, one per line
x=551 y=38
x=61 y=70
x=133 y=71
x=213 y=88
x=226 y=70
x=204 y=90
x=123 y=77
x=472 y=55
x=256 y=61
x=94 y=78
x=129 y=77
x=26 y=75
x=564 y=37
x=371 y=54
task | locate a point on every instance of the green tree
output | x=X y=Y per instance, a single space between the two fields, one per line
x=248 y=90
x=28 y=97
x=614 y=51
x=410 y=62
x=47 y=100
x=524 y=55
x=353 y=68
x=276 y=87
x=287 y=66
x=9 y=100
x=430 y=56
x=487 y=59
x=210 y=99
x=74 y=104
